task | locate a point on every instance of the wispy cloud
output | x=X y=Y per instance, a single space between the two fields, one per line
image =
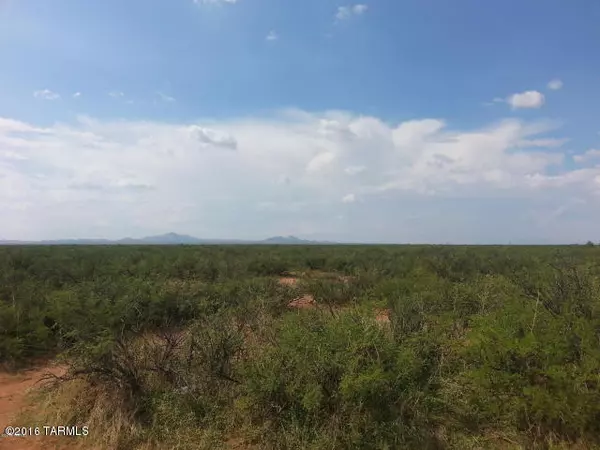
x=77 y=95
x=542 y=143
x=354 y=170
x=528 y=99
x=46 y=94
x=555 y=85
x=166 y=98
x=590 y=155
x=116 y=94
x=272 y=36
x=345 y=12
x=495 y=101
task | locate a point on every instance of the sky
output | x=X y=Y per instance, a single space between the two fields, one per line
x=400 y=121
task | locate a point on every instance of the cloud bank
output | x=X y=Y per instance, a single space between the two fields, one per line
x=331 y=175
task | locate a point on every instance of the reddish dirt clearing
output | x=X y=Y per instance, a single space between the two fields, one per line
x=306 y=301
x=13 y=390
x=303 y=302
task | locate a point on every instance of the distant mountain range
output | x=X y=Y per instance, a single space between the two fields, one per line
x=171 y=239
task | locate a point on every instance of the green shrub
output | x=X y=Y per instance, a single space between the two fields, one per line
x=344 y=379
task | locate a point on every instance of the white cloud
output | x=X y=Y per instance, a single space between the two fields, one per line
x=590 y=155
x=209 y=137
x=46 y=94
x=350 y=198
x=345 y=12
x=320 y=161
x=116 y=94
x=16 y=126
x=415 y=132
x=207 y=178
x=77 y=95
x=10 y=155
x=528 y=99
x=272 y=36
x=555 y=85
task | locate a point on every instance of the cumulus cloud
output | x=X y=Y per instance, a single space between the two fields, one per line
x=528 y=99
x=345 y=12
x=46 y=94
x=555 y=85
x=151 y=177
x=272 y=36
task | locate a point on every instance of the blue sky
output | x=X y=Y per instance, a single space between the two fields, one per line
x=395 y=121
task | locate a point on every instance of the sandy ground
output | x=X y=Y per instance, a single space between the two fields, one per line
x=13 y=391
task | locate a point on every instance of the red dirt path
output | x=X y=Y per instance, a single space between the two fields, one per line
x=13 y=390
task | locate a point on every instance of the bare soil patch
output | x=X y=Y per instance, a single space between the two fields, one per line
x=13 y=391
x=383 y=316
x=304 y=302
x=288 y=281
